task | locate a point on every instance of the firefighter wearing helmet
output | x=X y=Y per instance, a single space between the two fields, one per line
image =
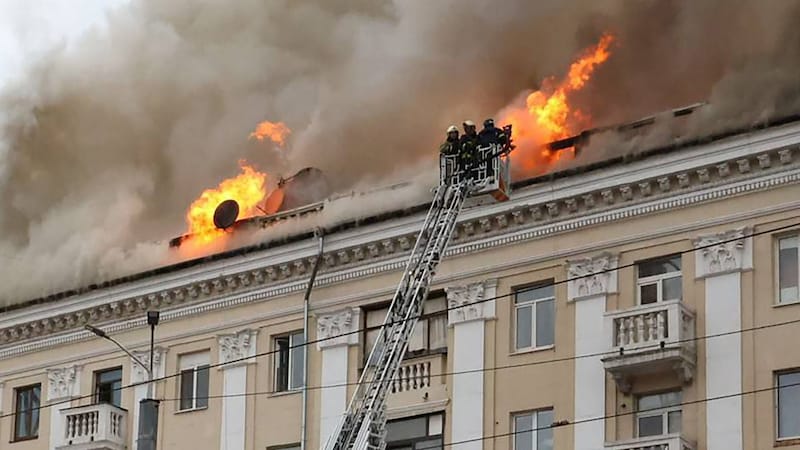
x=450 y=145
x=491 y=135
x=468 y=154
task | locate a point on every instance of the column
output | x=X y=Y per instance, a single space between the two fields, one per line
x=334 y=342
x=721 y=266
x=236 y=352
x=63 y=384
x=466 y=316
x=590 y=282
x=139 y=375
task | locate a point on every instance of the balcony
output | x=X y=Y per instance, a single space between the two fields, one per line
x=419 y=383
x=94 y=427
x=669 y=442
x=650 y=339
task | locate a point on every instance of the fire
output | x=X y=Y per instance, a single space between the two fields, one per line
x=547 y=115
x=247 y=189
x=276 y=132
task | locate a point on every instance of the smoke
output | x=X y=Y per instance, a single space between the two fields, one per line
x=104 y=143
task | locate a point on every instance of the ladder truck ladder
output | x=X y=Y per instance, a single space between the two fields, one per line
x=363 y=425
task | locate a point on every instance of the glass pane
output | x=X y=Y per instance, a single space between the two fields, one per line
x=297 y=361
x=544 y=436
x=398 y=430
x=545 y=319
x=533 y=293
x=202 y=386
x=787 y=269
x=438 y=332
x=34 y=415
x=429 y=444
x=524 y=324
x=523 y=437
x=116 y=393
x=659 y=266
x=109 y=376
x=187 y=388
x=673 y=398
x=789 y=405
x=648 y=293
x=23 y=413
x=282 y=364
x=417 y=340
x=651 y=425
x=674 y=421
x=672 y=289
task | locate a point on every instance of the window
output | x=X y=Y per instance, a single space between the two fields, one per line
x=430 y=332
x=660 y=280
x=415 y=433
x=532 y=432
x=534 y=308
x=659 y=414
x=26 y=412
x=788 y=270
x=194 y=380
x=289 y=362
x=108 y=386
x=788 y=405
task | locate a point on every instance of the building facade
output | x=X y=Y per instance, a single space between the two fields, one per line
x=646 y=304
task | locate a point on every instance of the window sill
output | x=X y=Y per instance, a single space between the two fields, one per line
x=787 y=442
x=23 y=439
x=285 y=393
x=185 y=411
x=526 y=351
x=780 y=304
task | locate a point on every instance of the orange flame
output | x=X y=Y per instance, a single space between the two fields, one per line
x=276 y=132
x=247 y=189
x=553 y=117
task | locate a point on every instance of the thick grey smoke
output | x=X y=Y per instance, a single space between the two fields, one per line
x=105 y=143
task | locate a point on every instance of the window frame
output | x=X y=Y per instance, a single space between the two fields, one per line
x=663 y=412
x=96 y=378
x=195 y=367
x=658 y=280
x=777 y=258
x=776 y=413
x=428 y=436
x=28 y=413
x=532 y=304
x=535 y=431
x=290 y=364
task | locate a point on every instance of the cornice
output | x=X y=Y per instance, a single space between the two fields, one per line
x=526 y=217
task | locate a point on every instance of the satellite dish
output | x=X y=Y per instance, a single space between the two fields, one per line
x=274 y=201
x=226 y=213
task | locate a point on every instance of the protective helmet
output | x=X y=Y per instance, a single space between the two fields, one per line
x=451 y=129
x=469 y=123
x=488 y=122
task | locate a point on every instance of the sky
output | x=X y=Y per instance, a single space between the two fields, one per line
x=28 y=27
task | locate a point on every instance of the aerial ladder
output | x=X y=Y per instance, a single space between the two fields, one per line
x=363 y=425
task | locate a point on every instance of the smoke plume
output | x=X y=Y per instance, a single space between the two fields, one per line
x=104 y=143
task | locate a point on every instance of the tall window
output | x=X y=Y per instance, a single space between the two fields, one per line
x=659 y=414
x=26 y=412
x=532 y=430
x=534 y=308
x=430 y=333
x=788 y=270
x=788 y=405
x=108 y=386
x=415 y=433
x=289 y=362
x=660 y=280
x=194 y=380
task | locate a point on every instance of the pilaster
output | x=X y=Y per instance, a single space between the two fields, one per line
x=236 y=352
x=336 y=332
x=590 y=281
x=720 y=259
x=63 y=385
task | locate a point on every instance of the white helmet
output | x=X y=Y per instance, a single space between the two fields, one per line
x=451 y=129
x=469 y=123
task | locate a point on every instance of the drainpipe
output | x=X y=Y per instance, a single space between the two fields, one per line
x=304 y=420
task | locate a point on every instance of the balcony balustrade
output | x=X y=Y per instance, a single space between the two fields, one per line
x=94 y=427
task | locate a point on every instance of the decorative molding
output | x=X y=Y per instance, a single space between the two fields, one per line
x=529 y=222
x=588 y=277
x=237 y=348
x=469 y=302
x=63 y=383
x=338 y=328
x=732 y=252
x=138 y=373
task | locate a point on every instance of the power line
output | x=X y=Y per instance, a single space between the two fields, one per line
x=564 y=423
x=360 y=330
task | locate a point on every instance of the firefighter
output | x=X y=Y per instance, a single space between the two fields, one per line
x=450 y=145
x=491 y=135
x=468 y=154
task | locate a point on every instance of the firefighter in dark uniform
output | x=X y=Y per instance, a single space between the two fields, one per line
x=491 y=135
x=468 y=152
x=450 y=147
